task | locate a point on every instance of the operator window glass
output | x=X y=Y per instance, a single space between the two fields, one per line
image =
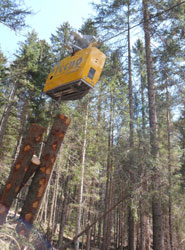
x=91 y=73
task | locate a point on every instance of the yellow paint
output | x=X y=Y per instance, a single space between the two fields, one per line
x=61 y=117
x=48 y=170
x=67 y=121
x=86 y=66
x=38 y=138
x=42 y=181
x=8 y=186
x=35 y=204
x=54 y=146
x=43 y=169
x=17 y=189
x=41 y=190
x=27 y=148
x=17 y=166
x=61 y=135
x=52 y=159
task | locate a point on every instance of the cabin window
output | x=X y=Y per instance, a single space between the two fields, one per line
x=91 y=73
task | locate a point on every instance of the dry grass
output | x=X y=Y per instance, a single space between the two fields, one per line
x=10 y=240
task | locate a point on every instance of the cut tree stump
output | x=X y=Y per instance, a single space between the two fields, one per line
x=42 y=175
x=20 y=167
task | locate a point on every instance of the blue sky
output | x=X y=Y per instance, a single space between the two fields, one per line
x=50 y=14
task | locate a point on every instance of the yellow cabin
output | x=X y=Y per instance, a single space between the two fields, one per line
x=75 y=75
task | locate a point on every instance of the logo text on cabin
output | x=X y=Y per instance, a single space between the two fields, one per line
x=68 y=66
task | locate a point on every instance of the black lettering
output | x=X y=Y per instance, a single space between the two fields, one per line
x=57 y=68
x=78 y=61
x=65 y=68
x=61 y=68
x=71 y=65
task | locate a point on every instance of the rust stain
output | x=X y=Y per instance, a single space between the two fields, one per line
x=8 y=186
x=62 y=117
x=28 y=217
x=35 y=204
x=54 y=145
x=67 y=121
x=17 y=166
x=47 y=156
x=27 y=148
x=2 y=209
x=38 y=138
x=26 y=168
x=43 y=169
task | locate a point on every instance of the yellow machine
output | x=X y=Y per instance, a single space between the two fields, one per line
x=75 y=75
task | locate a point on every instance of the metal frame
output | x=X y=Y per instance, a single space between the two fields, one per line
x=71 y=91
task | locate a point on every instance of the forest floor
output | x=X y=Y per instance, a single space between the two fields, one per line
x=10 y=240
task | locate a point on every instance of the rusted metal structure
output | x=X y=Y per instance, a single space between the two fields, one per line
x=19 y=169
x=42 y=175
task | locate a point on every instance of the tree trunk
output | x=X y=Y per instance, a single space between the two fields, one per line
x=98 y=219
x=79 y=214
x=169 y=170
x=64 y=212
x=131 y=226
x=55 y=200
x=100 y=185
x=23 y=121
x=89 y=232
x=42 y=175
x=19 y=170
x=6 y=113
x=144 y=242
x=51 y=217
x=143 y=106
x=156 y=203
x=107 y=225
x=131 y=230
x=42 y=213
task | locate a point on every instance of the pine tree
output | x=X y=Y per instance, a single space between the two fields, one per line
x=3 y=74
x=59 y=41
x=180 y=126
x=25 y=84
x=156 y=202
x=13 y=14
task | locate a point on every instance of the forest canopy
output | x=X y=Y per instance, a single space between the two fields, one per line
x=119 y=177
